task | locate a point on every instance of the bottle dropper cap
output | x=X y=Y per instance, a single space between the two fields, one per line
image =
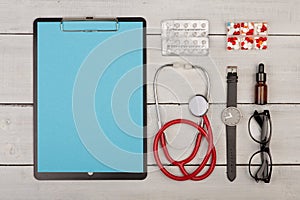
x=261 y=76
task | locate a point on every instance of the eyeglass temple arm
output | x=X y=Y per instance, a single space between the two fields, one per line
x=263 y=171
x=258 y=118
x=262 y=121
x=264 y=129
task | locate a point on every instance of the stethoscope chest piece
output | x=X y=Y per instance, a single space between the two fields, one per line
x=198 y=105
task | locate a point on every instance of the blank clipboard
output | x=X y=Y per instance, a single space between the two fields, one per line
x=89 y=98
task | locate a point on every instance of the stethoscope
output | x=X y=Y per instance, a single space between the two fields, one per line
x=198 y=106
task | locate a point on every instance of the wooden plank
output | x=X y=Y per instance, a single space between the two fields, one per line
x=283 y=16
x=282 y=65
x=281 y=61
x=18 y=183
x=16 y=133
x=16 y=69
x=284 y=143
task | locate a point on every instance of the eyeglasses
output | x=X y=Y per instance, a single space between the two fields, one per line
x=261 y=132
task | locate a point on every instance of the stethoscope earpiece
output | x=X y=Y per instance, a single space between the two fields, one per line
x=198 y=105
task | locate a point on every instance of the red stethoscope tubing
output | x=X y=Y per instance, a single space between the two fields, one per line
x=211 y=151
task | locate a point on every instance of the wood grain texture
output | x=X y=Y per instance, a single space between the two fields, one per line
x=281 y=60
x=283 y=16
x=16 y=134
x=282 y=65
x=16 y=69
x=155 y=186
x=284 y=143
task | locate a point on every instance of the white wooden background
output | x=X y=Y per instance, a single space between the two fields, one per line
x=282 y=64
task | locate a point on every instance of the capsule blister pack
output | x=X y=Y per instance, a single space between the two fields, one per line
x=247 y=35
x=185 y=37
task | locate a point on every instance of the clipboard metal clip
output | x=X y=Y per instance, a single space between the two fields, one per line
x=89 y=24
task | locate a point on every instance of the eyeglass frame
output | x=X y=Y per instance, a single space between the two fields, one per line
x=264 y=147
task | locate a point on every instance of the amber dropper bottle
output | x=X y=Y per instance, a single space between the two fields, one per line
x=261 y=88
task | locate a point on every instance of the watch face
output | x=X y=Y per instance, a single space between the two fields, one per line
x=231 y=116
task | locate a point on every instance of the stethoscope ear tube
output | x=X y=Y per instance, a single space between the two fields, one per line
x=198 y=69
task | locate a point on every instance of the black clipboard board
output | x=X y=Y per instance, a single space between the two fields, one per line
x=64 y=51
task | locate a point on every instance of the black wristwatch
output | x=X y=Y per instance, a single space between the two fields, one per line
x=231 y=116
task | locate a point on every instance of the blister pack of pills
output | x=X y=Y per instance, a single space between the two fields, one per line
x=247 y=35
x=185 y=37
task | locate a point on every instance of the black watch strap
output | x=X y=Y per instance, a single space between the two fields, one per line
x=231 y=152
x=232 y=80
